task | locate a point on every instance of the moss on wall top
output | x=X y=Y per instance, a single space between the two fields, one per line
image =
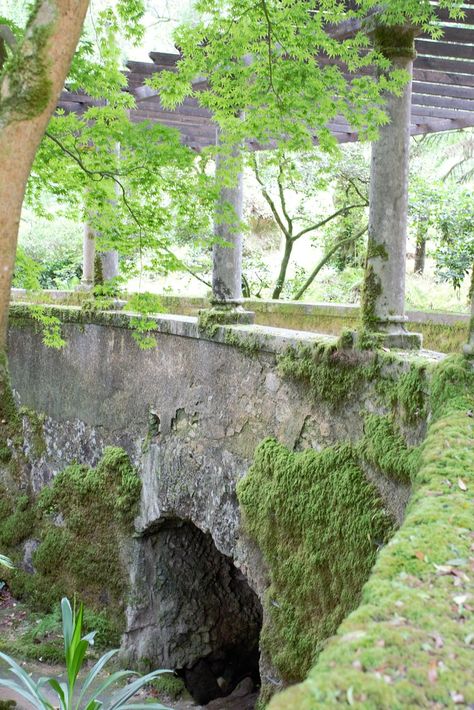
x=411 y=641
x=446 y=337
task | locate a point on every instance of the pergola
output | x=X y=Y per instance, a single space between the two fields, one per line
x=440 y=97
x=442 y=89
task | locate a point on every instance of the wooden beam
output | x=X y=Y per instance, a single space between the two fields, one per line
x=437 y=125
x=444 y=16
x=165 y=59
x=440 y=78
x=444 y=49
x=443 y=102
x=435 y=112
x=442 y=64
x=444 y=90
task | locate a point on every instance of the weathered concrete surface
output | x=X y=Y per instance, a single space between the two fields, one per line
x=190 y=413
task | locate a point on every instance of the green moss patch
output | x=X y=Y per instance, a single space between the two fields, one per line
x=411 y=641
x=168 y=686
x=80 y=522
x=385 y=449
x=319 y=523
x=333 y=373
x=10 y=422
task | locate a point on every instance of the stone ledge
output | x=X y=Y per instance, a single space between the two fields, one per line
x=335 y=310
x=250 y=338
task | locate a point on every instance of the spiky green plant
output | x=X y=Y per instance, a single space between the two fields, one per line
x=72 y=695
x=6 y=562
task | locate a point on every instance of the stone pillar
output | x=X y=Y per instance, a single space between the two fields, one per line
x=227 y=260
x=383 y=297
x=110 y=265
x=469 y=347
x=110 y=259
x=88 y=257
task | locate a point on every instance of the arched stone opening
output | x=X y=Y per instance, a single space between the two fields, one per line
x=203 y=618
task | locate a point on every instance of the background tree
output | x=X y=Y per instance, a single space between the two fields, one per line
x=423 y=201
x=454 y=255
x=296 y=189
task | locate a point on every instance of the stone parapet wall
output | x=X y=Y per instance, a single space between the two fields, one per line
x=443 y=332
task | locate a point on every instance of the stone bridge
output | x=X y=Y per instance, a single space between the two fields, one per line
x=191 y=413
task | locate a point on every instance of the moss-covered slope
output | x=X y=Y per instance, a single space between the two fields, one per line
x=411 y=641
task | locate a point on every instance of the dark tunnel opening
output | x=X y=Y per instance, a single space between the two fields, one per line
x=211 y=615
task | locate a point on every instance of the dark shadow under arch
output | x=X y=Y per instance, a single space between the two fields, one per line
x=207 y=615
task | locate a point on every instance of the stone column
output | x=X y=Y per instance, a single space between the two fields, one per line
x=383 y=297
x=88 y=257
x=110 y=259
x=110 y=265
x=227 y=260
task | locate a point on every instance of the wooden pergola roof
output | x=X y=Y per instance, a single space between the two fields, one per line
x=443 y=87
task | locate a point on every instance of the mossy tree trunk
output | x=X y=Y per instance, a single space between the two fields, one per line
x=31 y=82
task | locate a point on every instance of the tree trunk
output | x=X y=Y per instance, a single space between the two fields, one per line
x=420 y=250
x=28 y=96
x=280 y=282
x=324 y=261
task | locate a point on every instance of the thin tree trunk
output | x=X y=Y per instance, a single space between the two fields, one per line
x=324 y=261
x=44 y=55
x=280 y=282
x=420 y=250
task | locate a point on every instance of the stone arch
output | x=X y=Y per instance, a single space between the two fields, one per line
x=192 y=610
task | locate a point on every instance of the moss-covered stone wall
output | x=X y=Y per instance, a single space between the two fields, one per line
x=322 y=495
x=410 y=643
x=317 y=518
x=75 y=530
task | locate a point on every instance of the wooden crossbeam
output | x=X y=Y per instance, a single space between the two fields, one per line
x=444 y=90
x=436 y=48
x=440 y=101
x=468 y=19
x=438 y=112
x=442 y=78
x=442 y=64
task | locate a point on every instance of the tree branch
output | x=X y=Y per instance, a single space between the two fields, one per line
x=313 y=227
x=99 y=175
x=325 y=260
x=269 y=200
x=283 y=200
